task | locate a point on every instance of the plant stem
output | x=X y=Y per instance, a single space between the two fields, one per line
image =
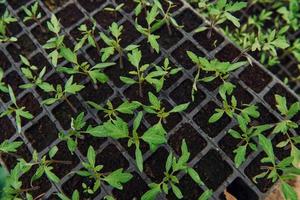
x=70 y=104
x=96 y=44
x=169 y=28
x=121 y=59
x=40 y=25
x=140 y=89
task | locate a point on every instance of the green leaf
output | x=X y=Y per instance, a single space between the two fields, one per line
x=12 y=95
x=68 y=54
x=139 y=159
x=180 y=108
x=127 y=80
x=117 y=178
x=91 y=156
x=240 y=155
x=176 y=191
x=266 y=144
x=154 y=100
x=216 y=116
x=288 y=191
x=53 y=152
x=155 y=136
x=207 y=194
x=128 y=107
x=51 y=175
x=194 y=175
x=281 y=104
x=152 y=193
x=232 y=18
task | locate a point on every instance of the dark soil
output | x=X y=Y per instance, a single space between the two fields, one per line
x=189 y=20
x=228 y=53
x=4 y=62
x=214 y=176
x=182 y=94
x=91 y=5
x=42 y=134
x=192 y=138
x=167 y=40
x=240 y=190
x=261 y=80
x=24 y=46
x=97 y=95
x=202 y=117
x=209 y=43
x=31 y=105
x=69 y=15
x=105 y=18
x=7 y=129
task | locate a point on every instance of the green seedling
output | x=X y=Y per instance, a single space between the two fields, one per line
x=32 y=13
x=88 y=36
x=151 y=27
x=291 y=14
x=217 y=69
x=141 y=5
x=91 y=170
x=167 y=19
x=172 y=168
x=3 y=87
x=61 y=93
x=125 y=108
x=114 y=44
x=5 y=20
x=114 y=10
x=95 y=73
x=76 y=132
x=118 y=129
x=246 y=134
x=153 y=78
x=30 y=71
x=283 y=171
x=55 y=43
x=219 y=12
x=15 y=110
x=157 y=109
x=44 y=165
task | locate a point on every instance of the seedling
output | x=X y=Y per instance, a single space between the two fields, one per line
x=291 y=14
x=95 y=73
x=152 y=78
x=14 y=109
x=7 y=147
x=5 y=20
x=286 y=124
x=44 y=165
x=32 y=13
x=115 y=10
x=3 y=87
x=35 y=80
x=76 y=132
x=126 y=108
x=141 y=5
x=167 y=19
x=215 y=69
x=117 y=129
x=172 y=168
x=61 y=93
x=114 y=44
x=157 y=109
x=88 y=35
x=55 y=43
x=218 y=13
x=246 y=134
x=151 y=27
x=91 y=170
x=283 y=171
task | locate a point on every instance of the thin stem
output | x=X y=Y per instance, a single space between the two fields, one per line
x=70 y=104
x=96 y=43
x=39 y=24
x=121 y=58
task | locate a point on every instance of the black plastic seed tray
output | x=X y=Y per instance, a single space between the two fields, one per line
x=211 y=148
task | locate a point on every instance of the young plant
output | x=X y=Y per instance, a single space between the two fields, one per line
x=114 y=10
x=88 y=36
x=246 y=134
x=157 y=109
x=55 y=43
x=15 y=110
x=76 y=132
x=61 y=93
x=167 y=19
x=114 y=44
x=3 y=87
x=141 y=5
x=219 y=12
x=95 y=73
x=283 y=171
x=291 y=14
x=153 y=78
x=5 y=20
x=118 y=129
x=32 y=13
x=35 y=80
x=91 y=170
x=125 y=108
x=151 y=27
x=215 y=69
x=10 y=148
x=286 y=124
x=173 y=167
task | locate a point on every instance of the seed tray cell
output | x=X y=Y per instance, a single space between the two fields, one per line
x=209 y=144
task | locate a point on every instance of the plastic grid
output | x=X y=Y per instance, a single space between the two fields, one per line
x=212 y=143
